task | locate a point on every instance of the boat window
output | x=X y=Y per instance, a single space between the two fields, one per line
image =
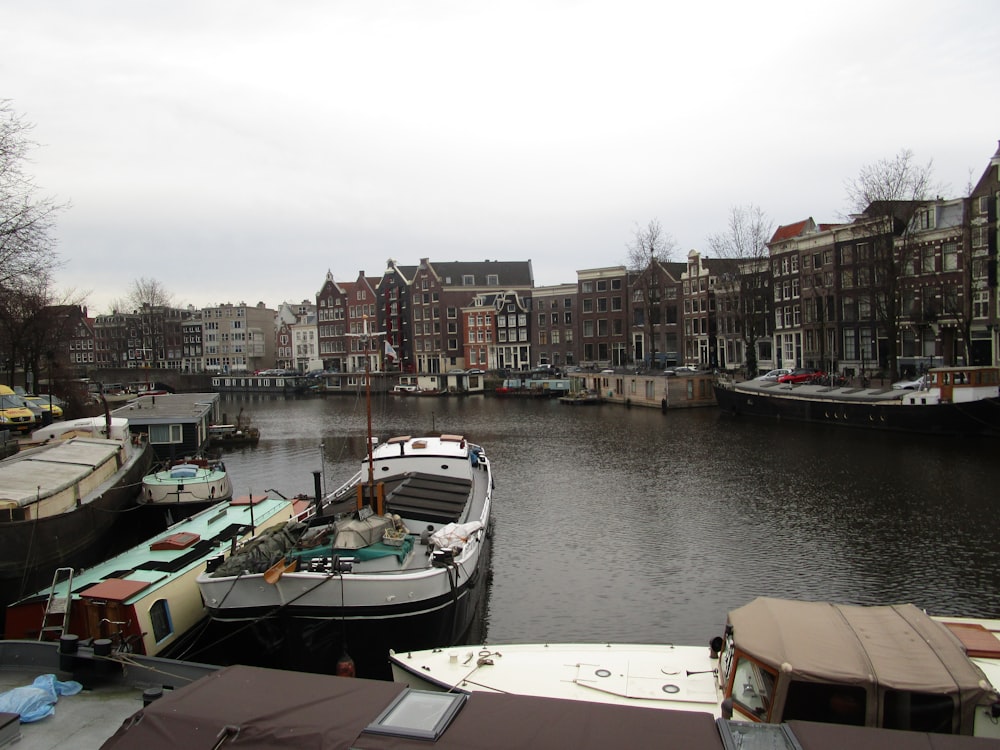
x=166 y=433
x=418 y=714
x=753 y=688
x=921 y=712
x=817 y=701
x=159 y=615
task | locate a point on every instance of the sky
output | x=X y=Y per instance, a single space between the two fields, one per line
x=236 y=151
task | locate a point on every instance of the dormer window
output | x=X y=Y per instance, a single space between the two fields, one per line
x=468 y=280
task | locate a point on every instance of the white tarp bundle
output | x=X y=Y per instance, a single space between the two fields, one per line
x=455 y=534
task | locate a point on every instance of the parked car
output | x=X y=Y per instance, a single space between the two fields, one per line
x=773 y=375
x=911 y=385
x=801 y=375
x=44 y=402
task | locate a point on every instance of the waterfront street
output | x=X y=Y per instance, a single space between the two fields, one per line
x=617 y=524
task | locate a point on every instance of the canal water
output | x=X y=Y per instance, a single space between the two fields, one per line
x=617 y=524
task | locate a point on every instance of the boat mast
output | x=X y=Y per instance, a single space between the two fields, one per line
x=366 y=338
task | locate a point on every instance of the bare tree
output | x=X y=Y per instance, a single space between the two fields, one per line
x=650 y=243
x=886 y=193
x=649 y=249
x=150 y=299
x=745 y=274
x=27 y=247
x=148 y=293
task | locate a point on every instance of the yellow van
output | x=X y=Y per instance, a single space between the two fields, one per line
x=13 y=414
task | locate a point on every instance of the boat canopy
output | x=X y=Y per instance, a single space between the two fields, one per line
x=895 y=647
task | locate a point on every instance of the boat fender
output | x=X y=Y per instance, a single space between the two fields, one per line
x=345 y=666
x=715 y=647
x=727 y=708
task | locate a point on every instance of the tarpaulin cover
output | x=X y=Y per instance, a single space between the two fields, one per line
x=37 y=700
x=894 y=647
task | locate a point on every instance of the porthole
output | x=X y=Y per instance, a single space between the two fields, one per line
x=602 y=672
x=444 y=467
x=670 y=689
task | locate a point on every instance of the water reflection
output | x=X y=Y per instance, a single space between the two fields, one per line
x=631 y=525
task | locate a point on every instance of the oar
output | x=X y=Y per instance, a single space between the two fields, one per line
x=272 y=574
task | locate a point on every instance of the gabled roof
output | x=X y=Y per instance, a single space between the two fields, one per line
x=788 y=231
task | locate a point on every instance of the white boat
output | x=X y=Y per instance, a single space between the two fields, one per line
x=648 y=675
x=399 y=551
x=145 y=600
x=59 y=500
x=192 y=482
x=888 y=666
x=407 y=553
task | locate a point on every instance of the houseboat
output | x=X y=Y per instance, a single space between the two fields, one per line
x=145 y=599
x=176 y=424
x=954 y=401
x=59 y=500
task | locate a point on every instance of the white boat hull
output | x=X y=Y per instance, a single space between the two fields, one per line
x=651 y=676
x=206 y=487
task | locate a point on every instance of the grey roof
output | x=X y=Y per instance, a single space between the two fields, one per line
x=167 y=408
x=509 y=273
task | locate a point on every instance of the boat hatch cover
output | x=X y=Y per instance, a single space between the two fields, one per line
x=115 y=589
x=180 y=540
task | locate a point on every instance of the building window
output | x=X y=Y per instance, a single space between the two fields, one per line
x=927 y=260
x=950 y=256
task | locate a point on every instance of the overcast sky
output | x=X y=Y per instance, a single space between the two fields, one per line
x=236 y=151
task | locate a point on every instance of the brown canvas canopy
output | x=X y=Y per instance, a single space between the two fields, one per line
x=894 y=647
x=255 y=708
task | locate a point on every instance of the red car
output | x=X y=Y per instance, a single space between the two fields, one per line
x=802 y=375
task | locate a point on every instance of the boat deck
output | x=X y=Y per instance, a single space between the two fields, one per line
x=157 y=561
x=424 y=501
x=821 y=392
x=650 y=676
x=53 y=468
x=89 y=718
x=85 y=720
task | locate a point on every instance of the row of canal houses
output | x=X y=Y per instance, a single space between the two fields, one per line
x=913 y=282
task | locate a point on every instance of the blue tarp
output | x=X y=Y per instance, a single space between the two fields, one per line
x=37 y=700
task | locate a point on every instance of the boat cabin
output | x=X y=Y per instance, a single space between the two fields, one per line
x=957 y=385
x=177 y=423
x=891 y=666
